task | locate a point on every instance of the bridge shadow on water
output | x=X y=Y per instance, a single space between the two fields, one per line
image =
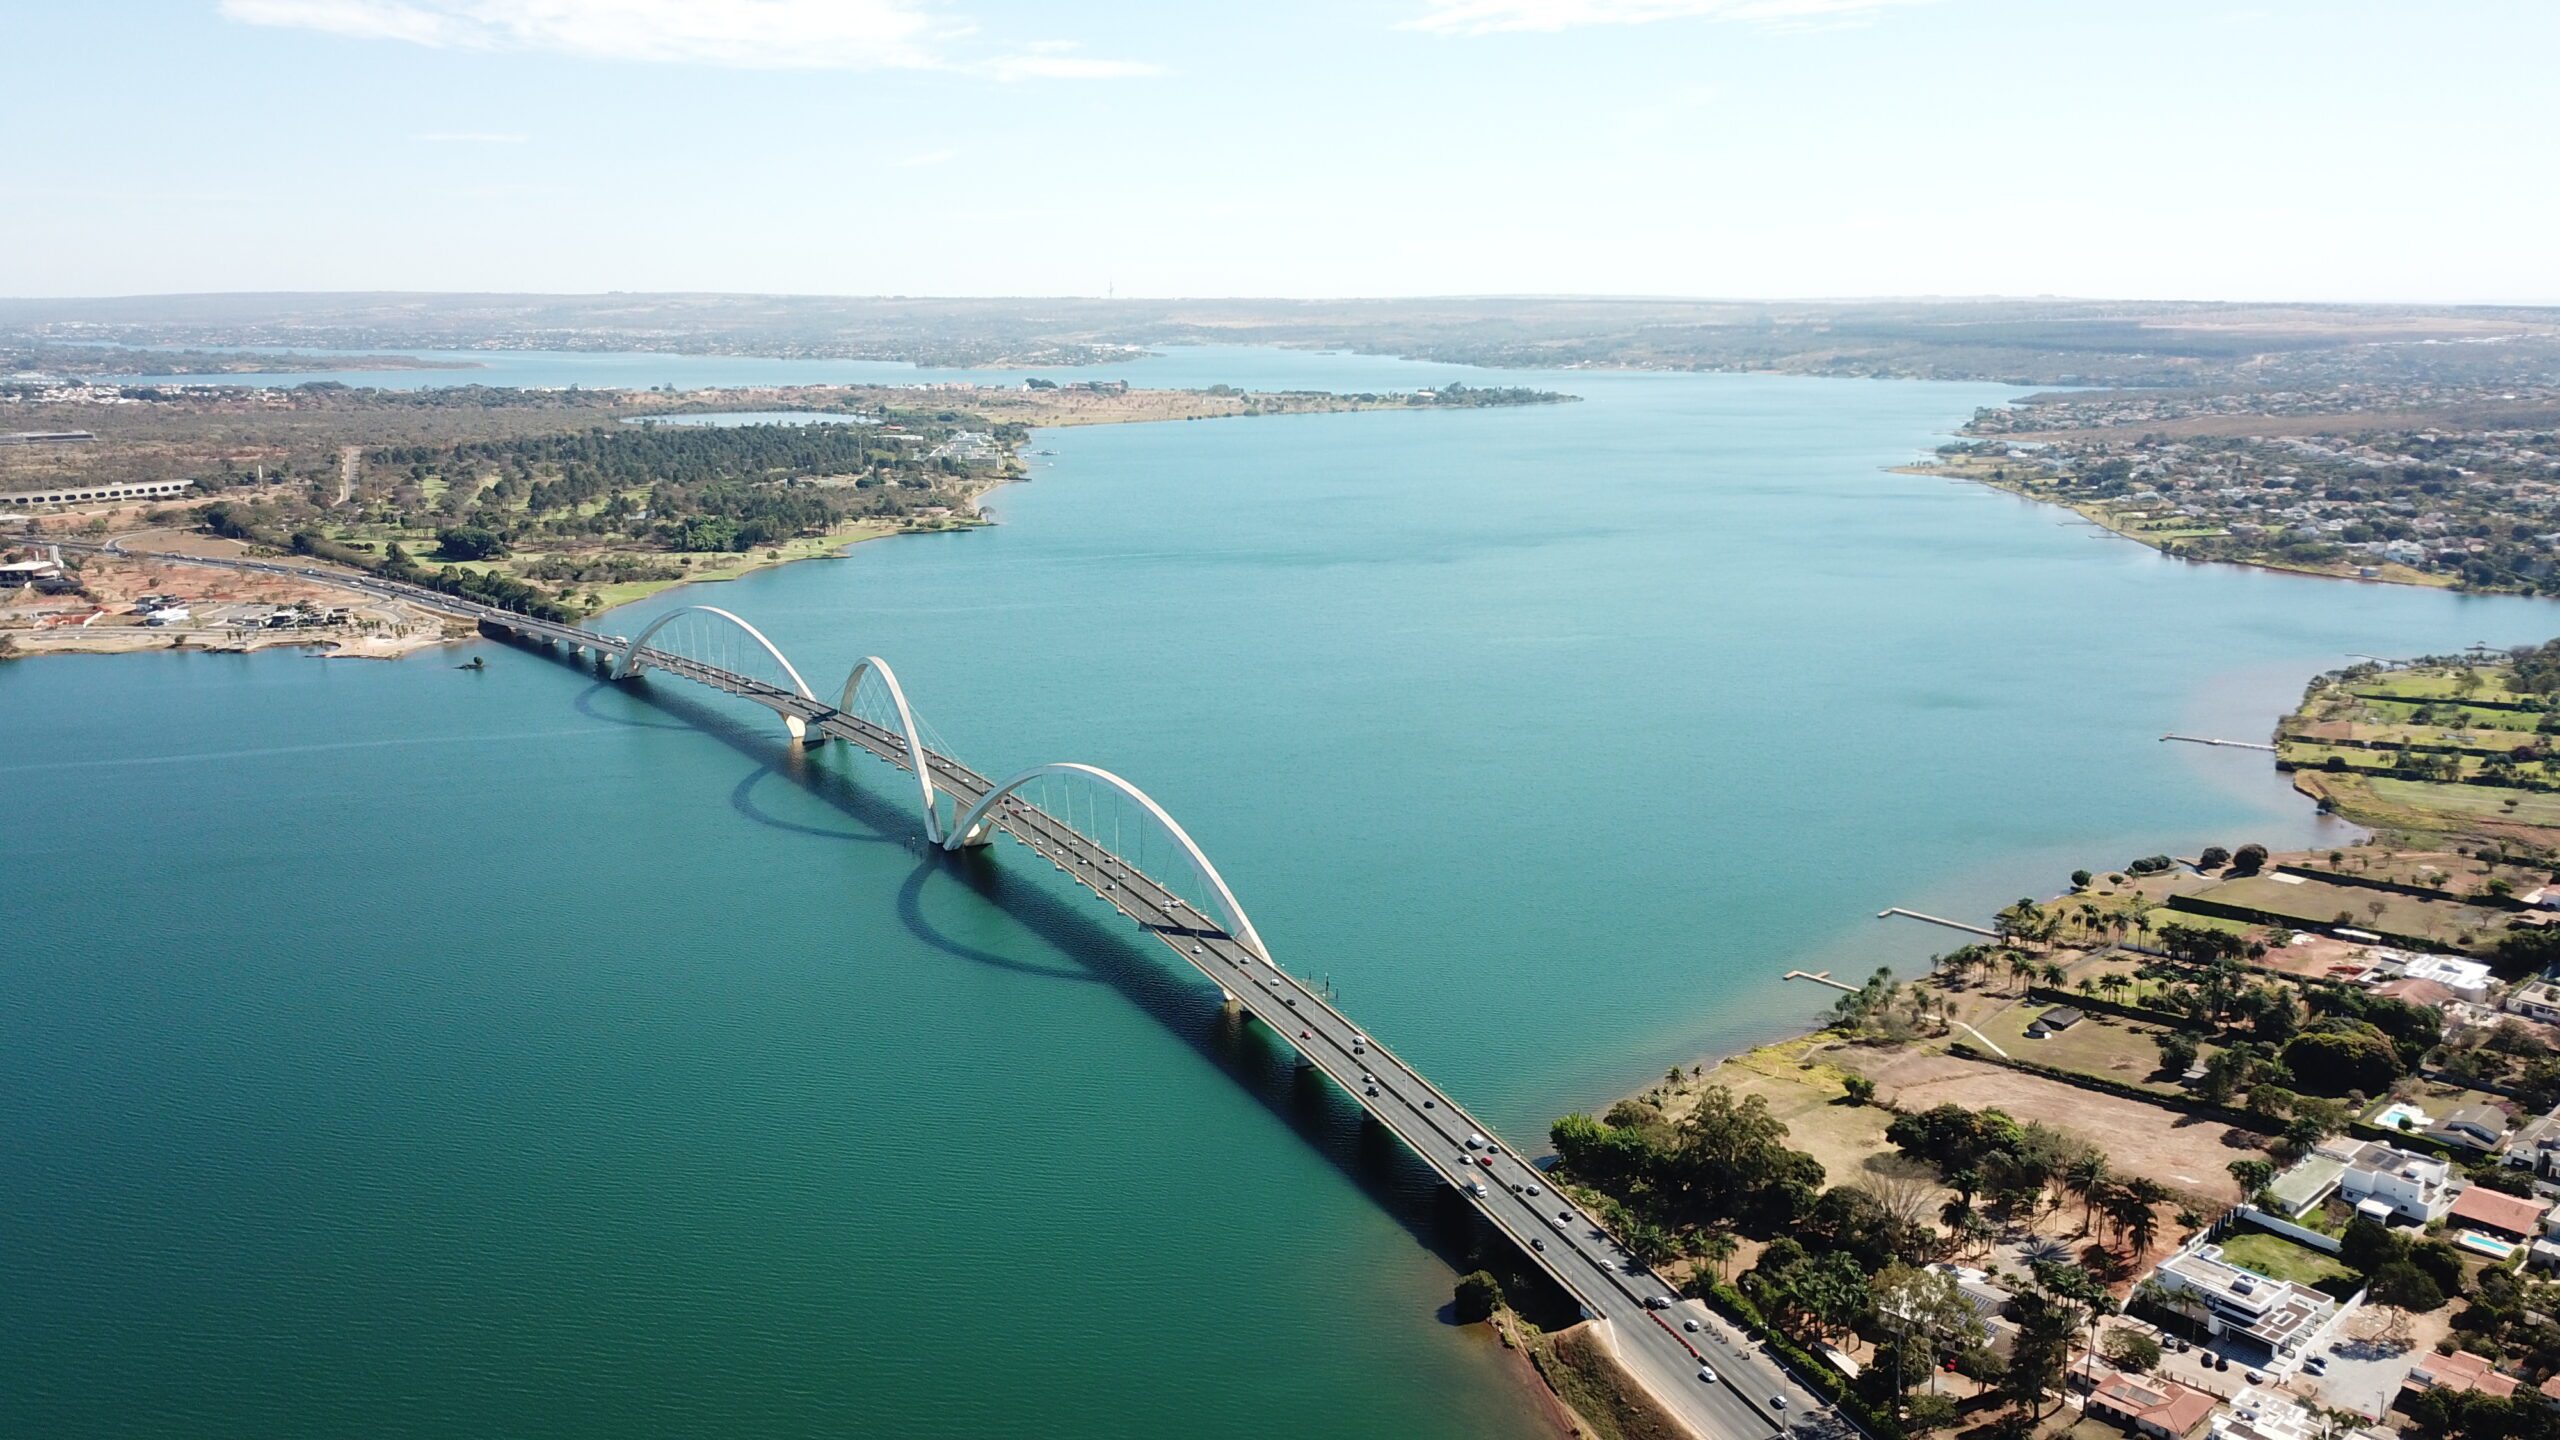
x=1109 y=952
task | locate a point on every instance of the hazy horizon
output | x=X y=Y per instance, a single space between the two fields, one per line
x=1601 y=296
x=2285 y=152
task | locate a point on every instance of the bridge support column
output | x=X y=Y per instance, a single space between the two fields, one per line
x=798 y=727
x=1229 y=996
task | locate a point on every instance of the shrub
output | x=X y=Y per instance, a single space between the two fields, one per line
x=2338 y=1055
x=1478 y=1296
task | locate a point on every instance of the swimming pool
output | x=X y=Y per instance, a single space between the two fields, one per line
x=2390 y=1116
x=2489 y=1245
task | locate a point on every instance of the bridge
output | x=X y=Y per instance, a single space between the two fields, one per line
x=1209 y=931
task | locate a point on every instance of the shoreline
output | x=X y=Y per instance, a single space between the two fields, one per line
x=2389 y=574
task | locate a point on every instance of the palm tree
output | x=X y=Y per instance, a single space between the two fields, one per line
x=1717 y=1248
x=2132 y=1207
x=2114 y=985
x=2087 y=1178
x=2022 y=969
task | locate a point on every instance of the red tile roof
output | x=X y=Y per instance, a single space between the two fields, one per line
x=2163 y=1404
x=2460 y=1370
x=2513 y=1214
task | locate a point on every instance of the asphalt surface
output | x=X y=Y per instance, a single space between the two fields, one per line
x=1741 y=1403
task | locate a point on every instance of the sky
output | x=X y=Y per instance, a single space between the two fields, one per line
x=2350 y=150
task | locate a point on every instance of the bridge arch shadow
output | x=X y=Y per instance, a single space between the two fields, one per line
x=1154 y=979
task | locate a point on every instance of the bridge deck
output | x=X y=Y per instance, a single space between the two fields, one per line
x=1552 y=1233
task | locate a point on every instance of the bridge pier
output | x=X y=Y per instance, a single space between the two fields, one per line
x=798 y=727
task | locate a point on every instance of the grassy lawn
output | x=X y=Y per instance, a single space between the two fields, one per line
x=2437 y=685
x=2482 y=802
x=2314 y=902
x=2280 y=1259
x=2096 y=1046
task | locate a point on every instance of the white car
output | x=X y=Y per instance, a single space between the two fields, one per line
x=1707 y=1374
x=1474 y=1141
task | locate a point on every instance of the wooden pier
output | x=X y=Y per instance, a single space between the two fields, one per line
x=2224 y=744
x=1938 y=920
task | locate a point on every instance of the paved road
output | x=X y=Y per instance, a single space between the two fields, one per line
x=1739 y=1404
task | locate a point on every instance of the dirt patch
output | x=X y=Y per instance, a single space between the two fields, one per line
x=1586 y=1376
x=2184 y=1152
x=1518 y=1339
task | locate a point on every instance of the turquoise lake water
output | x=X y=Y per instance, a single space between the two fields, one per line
x=399 y=1051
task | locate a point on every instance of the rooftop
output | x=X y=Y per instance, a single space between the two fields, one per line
x=2514 y=1214
x=2258 y=1415
x=2276 y=1313
x=2380 y=1158
x=2158 y=1401
x=2460 y=1370
x=2308 y=1181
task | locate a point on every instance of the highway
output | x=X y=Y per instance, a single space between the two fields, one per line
x=1741 y=1403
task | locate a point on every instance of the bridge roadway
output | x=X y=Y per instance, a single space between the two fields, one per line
x=1551 y=1232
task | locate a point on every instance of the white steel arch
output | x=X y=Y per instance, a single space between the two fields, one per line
x=629 y=662
x=971 y=829
x=873 y=664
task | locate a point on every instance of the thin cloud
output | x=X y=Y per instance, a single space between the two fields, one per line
x=926 y=159
x=1050 y=65
x=474 y=137
x=735 y=34
x=1489 y=17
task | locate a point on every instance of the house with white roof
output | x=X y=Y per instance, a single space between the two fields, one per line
x=2385 y=1182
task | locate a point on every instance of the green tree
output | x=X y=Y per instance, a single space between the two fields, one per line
x=2130 y=1350
x=2403 y=1286
x=1478 y=1296
x=1928 y=1412
x=2177 y=1050
x=2337 y=1055
x=1921 y=1315
x=2253 y=1175
x=469 y=542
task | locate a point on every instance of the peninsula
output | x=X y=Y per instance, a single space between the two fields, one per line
x=555 y=504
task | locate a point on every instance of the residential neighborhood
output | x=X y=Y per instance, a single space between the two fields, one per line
x=2427 y=484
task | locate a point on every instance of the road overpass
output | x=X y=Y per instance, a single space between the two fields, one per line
x=1741 y=1403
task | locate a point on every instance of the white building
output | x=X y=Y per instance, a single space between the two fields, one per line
x=2278 y=1315
x=2467 y=978
x=2260 y=1415
x=2384 y=1181
x=2539 y=1000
